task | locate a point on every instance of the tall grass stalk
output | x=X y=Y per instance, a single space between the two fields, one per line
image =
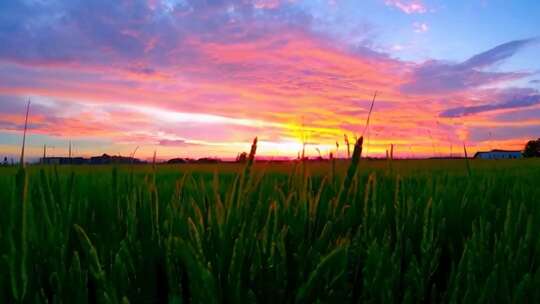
x=467 y=163
x=21 y=162
x=366 y=126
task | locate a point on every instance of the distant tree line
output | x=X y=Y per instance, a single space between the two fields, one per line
x=6 y=163
x=532 y=148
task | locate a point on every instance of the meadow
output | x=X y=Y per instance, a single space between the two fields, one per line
x=341 y=231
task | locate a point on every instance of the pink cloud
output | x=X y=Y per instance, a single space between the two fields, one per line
x=266 y=4
x=420 y=27
x=408 y=7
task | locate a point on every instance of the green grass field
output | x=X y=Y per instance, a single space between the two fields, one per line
x=369 y=231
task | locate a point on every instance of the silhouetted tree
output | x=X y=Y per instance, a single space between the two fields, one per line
x=5 y=163
x=241 y=158
x=532 y=148
x=176 y=161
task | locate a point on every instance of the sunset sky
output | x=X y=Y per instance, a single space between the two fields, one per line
x=194 y=78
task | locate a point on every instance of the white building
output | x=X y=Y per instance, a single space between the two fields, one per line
x=498 y=154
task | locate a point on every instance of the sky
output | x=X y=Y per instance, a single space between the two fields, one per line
x=202 y=78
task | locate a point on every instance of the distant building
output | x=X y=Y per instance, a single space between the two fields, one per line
x=498 y=154
x=63 y=161
x=95 y=160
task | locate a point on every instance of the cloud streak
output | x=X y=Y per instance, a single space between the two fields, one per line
x=513 y=103
x=442 y=77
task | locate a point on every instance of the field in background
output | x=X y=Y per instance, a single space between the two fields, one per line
x=377 y=231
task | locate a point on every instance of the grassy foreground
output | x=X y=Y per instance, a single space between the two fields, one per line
x=345 y=232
